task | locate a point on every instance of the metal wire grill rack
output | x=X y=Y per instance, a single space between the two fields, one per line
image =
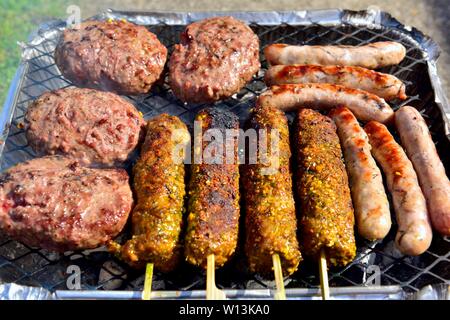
x=22 y=264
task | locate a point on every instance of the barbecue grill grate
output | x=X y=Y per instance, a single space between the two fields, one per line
x=22 y=264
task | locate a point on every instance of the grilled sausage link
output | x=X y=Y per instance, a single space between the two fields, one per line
x=372 y=56
x=270 y=222
x=431 y=172
x=371 y=205
x=213 y=207
x=327 y=214
x=384 y=85
x=322 y=96
x=160 y=190
x=414 y=230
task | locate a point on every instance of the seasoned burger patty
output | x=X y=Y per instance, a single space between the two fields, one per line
x=215 y=59
x=270 y=221
x=56 y=204
x=159 y=185
x=111 y=55
x=213 y=206
x=93 y=126
x=327 y=213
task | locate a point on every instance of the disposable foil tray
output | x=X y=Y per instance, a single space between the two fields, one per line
x=379 y=270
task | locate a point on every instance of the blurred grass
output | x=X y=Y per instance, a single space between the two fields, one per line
x=17 y=19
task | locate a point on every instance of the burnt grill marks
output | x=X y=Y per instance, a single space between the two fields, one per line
x=213 y=207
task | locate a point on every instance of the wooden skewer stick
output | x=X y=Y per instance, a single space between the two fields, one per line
x=212 y=292
x=146 y=294
x=325 y=289
x=278 y=272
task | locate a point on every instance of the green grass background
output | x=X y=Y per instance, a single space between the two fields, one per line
x=18 y=18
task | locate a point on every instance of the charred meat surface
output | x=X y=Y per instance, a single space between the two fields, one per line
x=327 y=219
x=213 y=206
x=414 y=234
x=215 y=59
x=159 y=185
x=95 y=127
x=111 y=55
x=270 y=221
x=56 y=204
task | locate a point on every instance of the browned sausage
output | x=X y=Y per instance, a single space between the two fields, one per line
x=384 y=85
x=373 y=216
x=414 y=229
x=322 y=96
x=213 y=207
x=420 y=148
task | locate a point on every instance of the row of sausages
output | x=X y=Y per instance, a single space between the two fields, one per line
x=326 y=77
x=371 y=206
